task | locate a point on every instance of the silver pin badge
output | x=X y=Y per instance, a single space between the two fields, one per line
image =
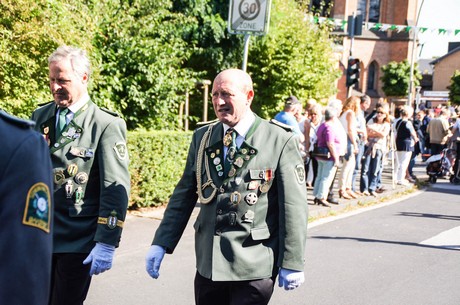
x=251 y=198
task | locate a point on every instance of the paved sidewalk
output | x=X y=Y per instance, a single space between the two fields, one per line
x=391 y=191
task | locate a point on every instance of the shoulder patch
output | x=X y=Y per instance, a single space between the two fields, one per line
x=37 y=212
x=121 y=150
x=110 y=112
x=300 y=173
x=16 y=121
x=282 y=125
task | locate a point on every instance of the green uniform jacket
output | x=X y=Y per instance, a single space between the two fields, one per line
x=91 y=177
x=257 y=220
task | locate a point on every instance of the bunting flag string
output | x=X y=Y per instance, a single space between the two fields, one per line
x=386 y=27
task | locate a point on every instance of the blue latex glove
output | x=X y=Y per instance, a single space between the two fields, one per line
x=153 y=260
x=290 y=279
x=100 y=258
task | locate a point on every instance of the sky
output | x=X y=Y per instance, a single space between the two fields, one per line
x=437 y=14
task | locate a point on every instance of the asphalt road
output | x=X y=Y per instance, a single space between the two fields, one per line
x=403 y=252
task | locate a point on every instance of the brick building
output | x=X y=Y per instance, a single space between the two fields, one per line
x=374 y=48
x=444 y=68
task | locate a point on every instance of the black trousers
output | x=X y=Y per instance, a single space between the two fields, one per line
x=255 y=292
x=70 y=279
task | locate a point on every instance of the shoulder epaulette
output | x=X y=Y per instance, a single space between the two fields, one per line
x=46 y=103
x=201 y=124
x=282 y=125
x=110 y=112
x=16 y=121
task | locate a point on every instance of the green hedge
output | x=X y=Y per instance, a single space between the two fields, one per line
x=157 y=160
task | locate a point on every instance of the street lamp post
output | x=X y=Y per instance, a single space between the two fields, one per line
x=412 y=62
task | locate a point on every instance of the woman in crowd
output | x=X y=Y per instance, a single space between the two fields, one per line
x=348 y=119
x=327 y=136
x=406 y=137
x=378 y=129
x=311 y=126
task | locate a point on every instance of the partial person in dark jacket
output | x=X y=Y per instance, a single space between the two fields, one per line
x=26 y=210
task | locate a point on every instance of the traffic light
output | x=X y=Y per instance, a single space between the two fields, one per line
x=353 y=71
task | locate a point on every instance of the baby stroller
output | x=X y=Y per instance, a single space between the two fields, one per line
x=438 y=165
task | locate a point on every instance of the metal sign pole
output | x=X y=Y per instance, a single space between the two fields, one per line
x=247 y=38
x=248 y=17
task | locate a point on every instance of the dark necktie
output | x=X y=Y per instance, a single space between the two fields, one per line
x=62 y=122
x=230 y=142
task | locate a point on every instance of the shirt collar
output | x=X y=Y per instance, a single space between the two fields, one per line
x=243 y=125
x=79 y=104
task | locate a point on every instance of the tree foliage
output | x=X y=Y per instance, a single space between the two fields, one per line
x=296 y=57
x=29 y=32
x=146 y=54
x=396 y=78
x=141 y=61
x=454 y=88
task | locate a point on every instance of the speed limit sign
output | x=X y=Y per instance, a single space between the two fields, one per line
x=249 y=16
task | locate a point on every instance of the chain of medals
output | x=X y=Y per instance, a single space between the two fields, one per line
x=199 y=159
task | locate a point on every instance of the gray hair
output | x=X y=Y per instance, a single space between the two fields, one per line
x=335 y=103
x=330 y=113
x=78 y=59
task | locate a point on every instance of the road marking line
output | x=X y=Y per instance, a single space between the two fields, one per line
x=448 y=239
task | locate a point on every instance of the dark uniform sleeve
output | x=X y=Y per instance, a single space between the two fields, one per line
x=26 y=210
x=180 y=206
x=113 y=161
x=292 y=199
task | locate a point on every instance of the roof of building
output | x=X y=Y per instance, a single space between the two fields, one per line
x=434 y=62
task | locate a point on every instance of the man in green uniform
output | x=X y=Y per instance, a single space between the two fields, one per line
x=249 y=178
x=91 y=179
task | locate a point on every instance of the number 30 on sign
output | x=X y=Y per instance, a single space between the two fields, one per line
x=249 y=16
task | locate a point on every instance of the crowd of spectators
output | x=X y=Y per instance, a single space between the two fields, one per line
x=363 y=137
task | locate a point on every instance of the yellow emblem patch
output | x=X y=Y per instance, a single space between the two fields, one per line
x=37 y=212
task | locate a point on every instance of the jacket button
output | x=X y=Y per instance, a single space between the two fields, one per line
x=219 y=211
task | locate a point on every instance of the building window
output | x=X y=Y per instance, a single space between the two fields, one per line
x=371 y=15
x=372 y=76
x=321 y=7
